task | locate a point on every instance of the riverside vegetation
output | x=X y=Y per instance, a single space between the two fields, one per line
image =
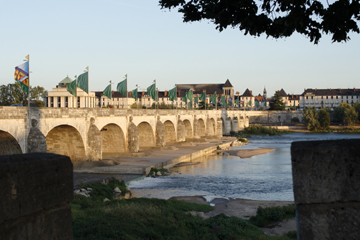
x=258 y=129
x=143 y=218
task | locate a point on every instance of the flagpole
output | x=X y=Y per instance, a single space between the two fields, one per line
x=176 y=96
x=88 y=93
x=205 y=100
x=29 y=84
x=127 y=99
x=137 y=104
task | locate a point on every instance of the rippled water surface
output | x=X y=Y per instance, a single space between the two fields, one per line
x=262 y=177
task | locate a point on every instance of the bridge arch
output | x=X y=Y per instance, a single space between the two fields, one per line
x=113 y=139
x=170 y=131
x=202 y=127
x=188 y=129
x=8 y=144
x=146 y=135
x=66 y=140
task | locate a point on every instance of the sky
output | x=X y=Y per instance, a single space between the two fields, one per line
x=138 y=38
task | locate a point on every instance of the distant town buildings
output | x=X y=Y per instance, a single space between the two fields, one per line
x=317 y=98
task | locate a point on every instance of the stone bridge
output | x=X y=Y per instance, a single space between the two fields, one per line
x=87 y=134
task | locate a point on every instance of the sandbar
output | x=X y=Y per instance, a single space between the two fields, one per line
x=246 y=153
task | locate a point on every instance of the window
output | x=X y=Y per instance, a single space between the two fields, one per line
x=312 y=97
x=66 y=102
x=332 y=97
x=59 y=101
x=336 y=97
x=322 y=97
x=307 y=97
x=327 y=97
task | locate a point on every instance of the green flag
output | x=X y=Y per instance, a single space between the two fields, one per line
x=151 y=91
x=265 y=104
x=122 y=87
x=222 y=101
x=190 y=95
x=134 y=94
x=71 y=87
x=190 y=104
x=249 y=103
x=257 y=104
x=203 y=97
x=107 y=91
x=196 y=100
x=83 y=82
x=184 y=98
x=237 y=102
x=172 y=94
x=213 y=99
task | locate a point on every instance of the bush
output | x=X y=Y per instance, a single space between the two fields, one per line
x=324 y=119
x=311 y=118
x=295 y=120
x=266 y=216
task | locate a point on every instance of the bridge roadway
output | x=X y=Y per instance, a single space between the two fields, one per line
x=86 y=134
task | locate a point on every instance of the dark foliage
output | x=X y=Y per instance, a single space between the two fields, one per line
x=275 y=18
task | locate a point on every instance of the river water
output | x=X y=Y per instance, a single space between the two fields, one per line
x=262 y=177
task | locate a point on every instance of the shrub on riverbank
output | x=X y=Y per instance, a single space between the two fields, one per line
x=261 y=130
x=143 y=218
x=270 y=215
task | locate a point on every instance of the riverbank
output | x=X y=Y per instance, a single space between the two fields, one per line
x=242 y=208
x=128 y=166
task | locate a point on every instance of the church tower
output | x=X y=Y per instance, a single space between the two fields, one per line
x=265 y=96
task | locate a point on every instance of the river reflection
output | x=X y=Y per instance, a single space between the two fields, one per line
x=262 y=177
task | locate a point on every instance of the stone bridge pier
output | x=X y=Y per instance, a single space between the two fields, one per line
x=91 y=134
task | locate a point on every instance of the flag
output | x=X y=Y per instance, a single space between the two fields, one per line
x=203 y=97
x=122 y=87
x=83 y=82
x=196 y=100
x=134 y=94
x=107 y=91
x=257 y=104
x=190 y=95
x=265 y=104
x=237 y=102
x=213 y=98
x=27 y=57
x=151 y=91
x=22 y=75
x=184 y=98
x=222 y=101
x=71 y=88
x=249 y=103
x=190 y=104
x=172 y=94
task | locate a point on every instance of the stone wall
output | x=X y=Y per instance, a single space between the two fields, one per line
x=271 y=117
x=35 y=191
x=326 y=176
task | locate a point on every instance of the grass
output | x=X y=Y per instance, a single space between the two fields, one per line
x=267 y=216
x=143 y=218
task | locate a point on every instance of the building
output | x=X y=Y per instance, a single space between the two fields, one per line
x=221 y=89
x=60 y=97
x=117 y=100
x=247 y=99
x=331 y=98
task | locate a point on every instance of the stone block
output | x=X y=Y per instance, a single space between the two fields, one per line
x=326 y=178
x=329 y=221
x=326 y=171
x=32 y=182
